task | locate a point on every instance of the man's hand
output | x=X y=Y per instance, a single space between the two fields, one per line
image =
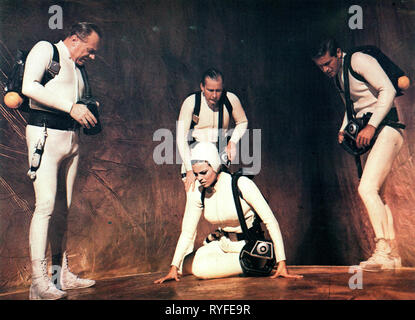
x=340 y=137
x=189 y=181
x=83 y=116
x=365 y=136
x=231 y=151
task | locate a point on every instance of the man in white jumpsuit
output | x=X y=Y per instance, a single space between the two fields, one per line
x=56 y=117
x=375 y=96
x=207 y=123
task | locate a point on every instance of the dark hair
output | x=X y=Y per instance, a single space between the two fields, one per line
x=222 y=167
x=211 y=73
x=327 y=45
x=83 y=29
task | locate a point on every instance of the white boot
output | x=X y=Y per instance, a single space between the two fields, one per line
x=395 y=253
x=70 y=281
x=381 y=259
x=42 y=287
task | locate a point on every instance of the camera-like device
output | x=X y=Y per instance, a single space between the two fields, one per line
x=92 y=106
x=224 y=157
x=263 y=249
x=257 y=258
x=351 y=132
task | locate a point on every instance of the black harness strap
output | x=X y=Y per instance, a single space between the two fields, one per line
x=196 y=109
x=54 y=66
x=57 y=120
x=349 y=104
x=88 y=93
x=248 y=234
x=223 y=103
x=235 y=193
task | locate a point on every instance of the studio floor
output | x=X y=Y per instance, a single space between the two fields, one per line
x=319 y=283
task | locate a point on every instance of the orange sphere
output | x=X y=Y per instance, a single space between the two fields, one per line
x=13 y=100
x=403 y=82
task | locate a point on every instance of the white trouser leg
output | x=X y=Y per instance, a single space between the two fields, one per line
x=211 y=261
x=378 y=165
x=59 y=145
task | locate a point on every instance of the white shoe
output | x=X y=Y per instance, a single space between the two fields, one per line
x=395 y=254
x=70 y=281
x=42 y=287
x=381 y=258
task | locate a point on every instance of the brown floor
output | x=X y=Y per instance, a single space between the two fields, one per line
x=319 y=283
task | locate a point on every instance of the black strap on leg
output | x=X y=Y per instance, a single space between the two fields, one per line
x=358 y=166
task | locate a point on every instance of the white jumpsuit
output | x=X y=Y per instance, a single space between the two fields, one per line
x=375 y=96
x=60 y=94
x=221 y=258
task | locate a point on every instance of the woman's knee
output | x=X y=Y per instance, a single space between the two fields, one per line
x=202 y=267
x=210 y=265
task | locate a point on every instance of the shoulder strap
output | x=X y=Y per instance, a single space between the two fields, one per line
x=364 y=49
x=202 y=197
x=228 y=105
x=356 y=75
x=349 y=104
x=196 y=109
x=54 y=66
x=55 y=53
x=235 y=193
x=87 y=89
x=225 y=104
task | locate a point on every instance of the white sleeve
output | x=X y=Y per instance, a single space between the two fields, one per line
x=344 y=123
x=238 y=114
x=37 y=63
x=255 y=199
x=183 y=127
x=370 y=69
x=192 y=214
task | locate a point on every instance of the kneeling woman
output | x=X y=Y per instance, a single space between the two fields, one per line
x=220 y=258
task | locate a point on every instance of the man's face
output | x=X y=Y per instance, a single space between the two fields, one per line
x=212 y=90
x=204 y=173
x=330 y=65
x=84 y=50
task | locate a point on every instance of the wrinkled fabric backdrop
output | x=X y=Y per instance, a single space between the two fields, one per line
x=127 y=210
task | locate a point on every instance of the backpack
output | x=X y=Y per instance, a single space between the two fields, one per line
x=15 y=80
x=390 y=68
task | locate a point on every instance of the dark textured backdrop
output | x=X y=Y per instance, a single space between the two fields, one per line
x=127 y=210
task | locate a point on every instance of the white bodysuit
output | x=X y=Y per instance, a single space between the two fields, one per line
x=61 y=146
x=376 y=97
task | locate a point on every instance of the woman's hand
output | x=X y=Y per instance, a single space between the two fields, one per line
x=172 y=275
x=283 y=272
